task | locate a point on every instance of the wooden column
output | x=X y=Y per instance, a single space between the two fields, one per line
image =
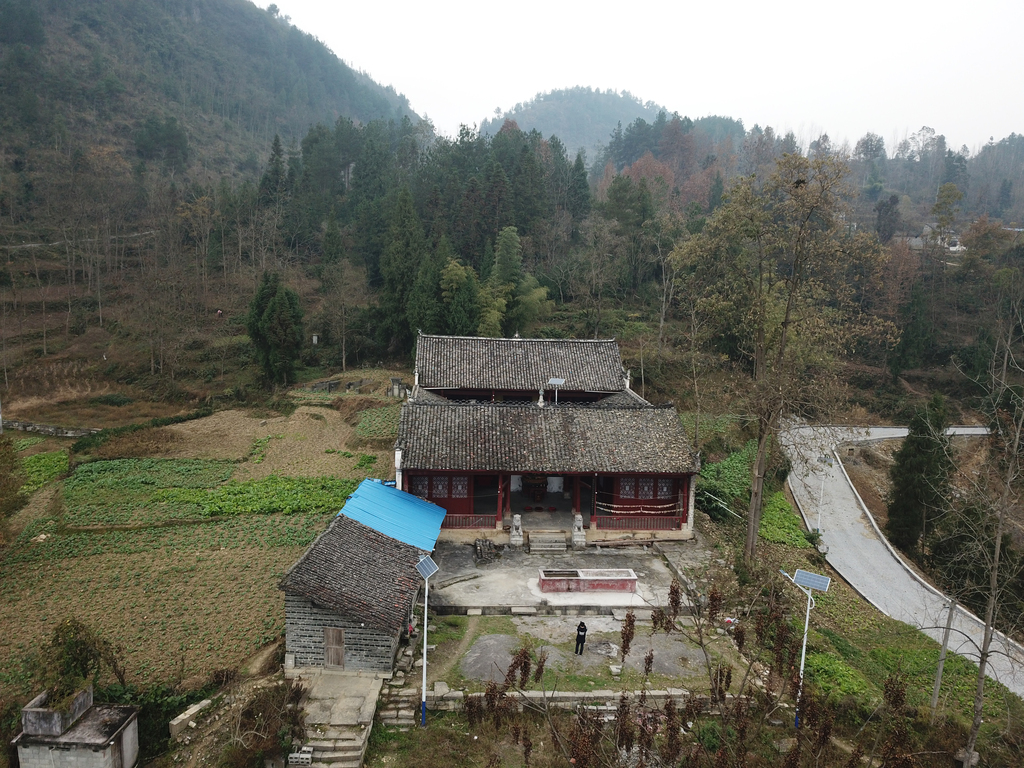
x=576 y=495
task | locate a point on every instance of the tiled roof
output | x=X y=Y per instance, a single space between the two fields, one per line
x=526 y=438
x=461 y=362
x=358 y=572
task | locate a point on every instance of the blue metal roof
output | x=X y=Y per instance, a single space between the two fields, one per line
x=396 y=514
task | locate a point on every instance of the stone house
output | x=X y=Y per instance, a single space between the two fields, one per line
x=86 y=735
x=350 y=597
x=545 y=428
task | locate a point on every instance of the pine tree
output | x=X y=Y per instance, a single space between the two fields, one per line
x=333 y=247
x=459 y=294
x=425 y=310
x=579 y=189
x=274 y=324
x=273 y=181
x=508 y=259
x=399 y=266
x=919 y=476
x=282 y=324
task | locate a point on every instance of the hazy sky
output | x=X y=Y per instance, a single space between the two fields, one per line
x=811 y=67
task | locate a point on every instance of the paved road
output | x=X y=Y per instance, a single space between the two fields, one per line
x=859 y=552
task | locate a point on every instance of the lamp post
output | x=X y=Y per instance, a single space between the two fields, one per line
x=827 y=460
x=556 y=383
x=426 y=568
x=806 y=582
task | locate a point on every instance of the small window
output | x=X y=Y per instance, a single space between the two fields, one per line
x=440 y=487
x=665 y=487
x=460 y=487
x=419 y=485
x=645 y=488
x=627 y=487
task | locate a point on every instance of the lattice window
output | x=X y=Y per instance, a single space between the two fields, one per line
x=440 y=487
x=460 y=487
x=665 y=487
x=419 y=485
x=627 y=487
x=645 y=488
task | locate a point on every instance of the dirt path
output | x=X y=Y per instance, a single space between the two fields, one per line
x=440 y=671
x=38 y=506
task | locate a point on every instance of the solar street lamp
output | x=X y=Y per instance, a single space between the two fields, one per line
x=426 y=567
x=806 y=582
x=556 y=383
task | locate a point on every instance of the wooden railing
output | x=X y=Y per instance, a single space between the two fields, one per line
x=468 y=521
x=637 y=522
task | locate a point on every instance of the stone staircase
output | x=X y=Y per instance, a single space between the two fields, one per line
x=338 y=746
x=546 y=542
x=339 y=710
x=400 y=702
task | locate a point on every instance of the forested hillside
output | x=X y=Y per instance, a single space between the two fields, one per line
x=172 y=82
x=583 y=118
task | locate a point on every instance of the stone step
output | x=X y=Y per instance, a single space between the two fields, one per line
x=547 y=542
x=539 y=548
x=332 y=745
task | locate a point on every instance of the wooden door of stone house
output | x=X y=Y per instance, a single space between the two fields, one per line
x=334 y=647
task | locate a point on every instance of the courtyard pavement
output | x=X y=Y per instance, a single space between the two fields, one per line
x=511 y=580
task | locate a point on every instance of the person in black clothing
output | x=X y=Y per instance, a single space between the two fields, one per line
x=581 y=638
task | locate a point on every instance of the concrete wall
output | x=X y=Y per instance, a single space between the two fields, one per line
x=41 y=756
x=38 y=720
x=47 y=429
x=130 y=743
x=366 y=649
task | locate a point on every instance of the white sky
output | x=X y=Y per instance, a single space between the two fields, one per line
x=887 y=66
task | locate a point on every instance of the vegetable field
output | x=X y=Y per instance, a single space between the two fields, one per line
x=177 y=559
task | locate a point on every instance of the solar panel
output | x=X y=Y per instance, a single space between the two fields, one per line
x=427 y=567
x=811 y=580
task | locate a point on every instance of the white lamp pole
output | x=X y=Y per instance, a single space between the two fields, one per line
x=805 y=582
x=827 y=460
x=426 y=568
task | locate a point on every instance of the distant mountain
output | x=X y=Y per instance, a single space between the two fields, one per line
x=583 y=118
x=223 y=75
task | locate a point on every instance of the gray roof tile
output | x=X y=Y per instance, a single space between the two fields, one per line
x=462 y=362
x=358 y=572
x=526 y=438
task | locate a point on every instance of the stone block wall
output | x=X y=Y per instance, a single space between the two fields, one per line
x=366 y=649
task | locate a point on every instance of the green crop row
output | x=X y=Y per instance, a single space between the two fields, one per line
x=779 y=523
x=379 y=423
x=269 y=495
x=27 y=442
x=42 y=468
x=239 y=533
x=123 y=490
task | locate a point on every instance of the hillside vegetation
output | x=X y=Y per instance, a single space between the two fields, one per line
x=175 y=83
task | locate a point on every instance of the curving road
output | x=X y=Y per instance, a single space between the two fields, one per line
x=861 y=554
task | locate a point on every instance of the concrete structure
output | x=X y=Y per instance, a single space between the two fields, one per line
x=587 y=580
x=85 y=735
x=546 y=428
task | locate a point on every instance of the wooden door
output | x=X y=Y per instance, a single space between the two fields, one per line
x=334 y=647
